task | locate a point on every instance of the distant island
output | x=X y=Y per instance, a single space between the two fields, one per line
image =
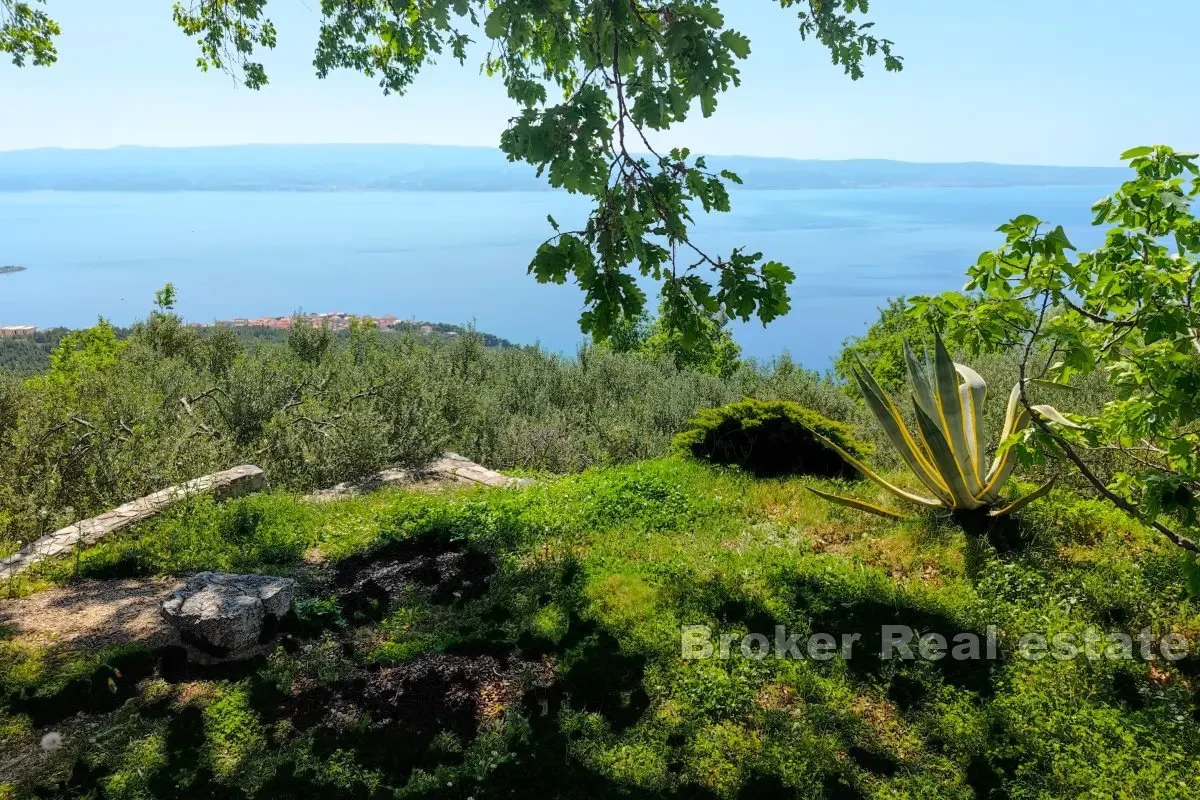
x=408 y=167
x=7 y=268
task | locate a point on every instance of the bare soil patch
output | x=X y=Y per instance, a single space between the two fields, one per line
x=93 y=614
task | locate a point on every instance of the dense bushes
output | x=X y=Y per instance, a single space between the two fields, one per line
x=770 y=438
x=113 y=419
x=118 y=416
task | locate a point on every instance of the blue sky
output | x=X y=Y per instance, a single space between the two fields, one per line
x=1020 y=81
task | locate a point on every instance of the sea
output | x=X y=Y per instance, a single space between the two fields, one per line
x=461 y=257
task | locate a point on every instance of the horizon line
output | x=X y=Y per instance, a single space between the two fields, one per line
x=230 y=146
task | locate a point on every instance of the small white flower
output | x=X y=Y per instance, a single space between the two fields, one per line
x=52 y=741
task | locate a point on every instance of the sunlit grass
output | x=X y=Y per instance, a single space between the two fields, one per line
x=599 y=570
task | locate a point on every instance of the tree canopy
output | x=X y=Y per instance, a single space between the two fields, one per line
x=591 y=80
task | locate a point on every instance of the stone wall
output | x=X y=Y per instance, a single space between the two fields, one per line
x=234 y=482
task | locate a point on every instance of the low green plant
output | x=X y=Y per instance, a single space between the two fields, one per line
x=948 y=454
x=772 y=437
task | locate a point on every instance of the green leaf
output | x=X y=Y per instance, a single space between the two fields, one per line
x=1017 y=505
x=737 y=43
x=1190 y=565
x=496 y=24
x=1136 y=152
x=851 y=502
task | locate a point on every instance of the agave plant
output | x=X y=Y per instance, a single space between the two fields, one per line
x=948 y=454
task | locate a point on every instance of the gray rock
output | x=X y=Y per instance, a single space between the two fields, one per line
x=449 y=469
x=225 y=612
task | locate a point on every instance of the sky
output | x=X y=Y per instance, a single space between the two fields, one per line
x=1019 y=81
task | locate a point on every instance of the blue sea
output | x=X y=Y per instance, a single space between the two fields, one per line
x=461 y=257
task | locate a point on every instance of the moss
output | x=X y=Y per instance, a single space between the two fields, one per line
x=640 y=765
x=233 y=731
x=14 y=727
x=771 y=438
x=142 y=758
x=550 y=623
x=718 y=757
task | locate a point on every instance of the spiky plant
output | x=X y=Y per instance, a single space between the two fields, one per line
x=948 y=454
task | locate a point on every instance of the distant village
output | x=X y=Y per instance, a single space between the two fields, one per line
x=334 y=321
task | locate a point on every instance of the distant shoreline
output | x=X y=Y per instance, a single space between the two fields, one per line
x=8 y=268
x=396 y=168
x=335 y=322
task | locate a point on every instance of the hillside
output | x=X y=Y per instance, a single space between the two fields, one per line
x=394 y=167
x=541 y=657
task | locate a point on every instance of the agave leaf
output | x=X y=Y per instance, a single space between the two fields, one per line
x=861 y=505
x=1017 y=505
x=1054 y=415
x=950 y=417
x=918 y=376
x=1002 y=470
x=1015 y=420
x=1051 y=384
x=953 y=472
x=865 y=470
x=972 y=395
x=889 y=418
x=1011 y=413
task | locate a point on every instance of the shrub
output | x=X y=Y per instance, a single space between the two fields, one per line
x=882 y=346
x=116 y=414
x=770 y=437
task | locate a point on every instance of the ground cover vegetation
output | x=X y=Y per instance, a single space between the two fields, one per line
x=498 y=643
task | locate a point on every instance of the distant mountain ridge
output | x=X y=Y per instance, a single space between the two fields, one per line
x=409 y=167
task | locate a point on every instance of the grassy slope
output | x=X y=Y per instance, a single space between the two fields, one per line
x=598 y=571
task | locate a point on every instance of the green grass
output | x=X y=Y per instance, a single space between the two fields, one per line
x=595 y=574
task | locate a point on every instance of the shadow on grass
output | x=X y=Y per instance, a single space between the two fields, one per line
x=105 y=689
x=415 y=717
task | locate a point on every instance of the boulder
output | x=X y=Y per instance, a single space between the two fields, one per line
x=227 y=614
